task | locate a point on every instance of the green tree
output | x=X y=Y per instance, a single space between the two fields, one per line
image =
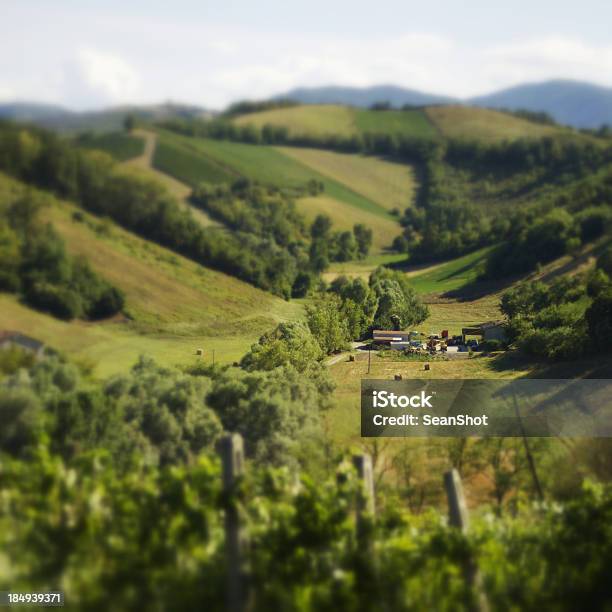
x=289 y=344
x=327 y=324
x=398 y=304
x=599 y=321
x=363 y=236
x=129 y=122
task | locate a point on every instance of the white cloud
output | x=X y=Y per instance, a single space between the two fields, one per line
x=7 y=93
x=100 y=76
x=278 y=64
x=544 y=58
x=109 y=74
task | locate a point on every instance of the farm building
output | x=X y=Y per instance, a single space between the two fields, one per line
x=381 y=336
x=491 y=330
x=11 y=339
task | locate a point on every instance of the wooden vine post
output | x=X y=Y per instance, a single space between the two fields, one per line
x=458 y=516
x=231 y=451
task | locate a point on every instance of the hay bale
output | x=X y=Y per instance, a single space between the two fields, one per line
x=398 y=377
x=427 y=366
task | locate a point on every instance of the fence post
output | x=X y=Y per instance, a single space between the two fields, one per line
x=458 y=516
x=363 y=465
x=230 y=448
x=457 y=508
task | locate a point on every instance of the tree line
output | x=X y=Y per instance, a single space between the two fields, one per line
x=99 y=185
x=270 y=213
x=35 y=265
x=447 y=221
x=570 y=318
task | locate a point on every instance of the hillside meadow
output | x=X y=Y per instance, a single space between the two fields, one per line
x=326 y=119
x=357 y=189
x=173 y=305
x=486 y=125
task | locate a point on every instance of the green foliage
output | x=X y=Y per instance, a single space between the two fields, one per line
x=143 y=206
x=289 y=344
x=187 y=165
x=245 y=207
x=553 y=235
x=599 y=321
x=398 y=304
x=38 y=267
x=245 y=107
x=327 y=245
x=604 y=261
x=121 y=146
x=359 y=304
x=277 y=412
x=327 y=324
x=114 y=540
x=548 y=321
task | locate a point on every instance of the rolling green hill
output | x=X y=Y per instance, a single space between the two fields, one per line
x=119 y=145
x=357 y=189
x=430 y=122
x=486 y=125
x=173 y=305
x=321 y=120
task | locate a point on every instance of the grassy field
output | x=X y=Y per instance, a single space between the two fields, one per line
x=389 y=184
x=344 y=198
x=343 y=420
x=173 y=305
x=188 y=166
x=451 y=275
x=413 y=123
x=362 y=268
x=316 y=119
x=118 y=144
x=326 y=119
x=180 y=190
x=344 y=217
x=484 y=124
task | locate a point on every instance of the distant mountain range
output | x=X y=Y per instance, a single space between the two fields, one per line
x=111 y=119
x=365 y=96
x=574 y=103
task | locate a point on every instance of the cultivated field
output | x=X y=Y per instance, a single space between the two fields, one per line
x=316 y=119
x=180 y=190
x=347 y=198
x=327 y=119
x=484 y=124
x=390 y=184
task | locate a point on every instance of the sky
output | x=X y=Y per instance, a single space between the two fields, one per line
x=85 y=54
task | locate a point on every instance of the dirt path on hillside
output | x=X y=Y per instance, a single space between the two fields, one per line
x=344 y=355
x=180 y=191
